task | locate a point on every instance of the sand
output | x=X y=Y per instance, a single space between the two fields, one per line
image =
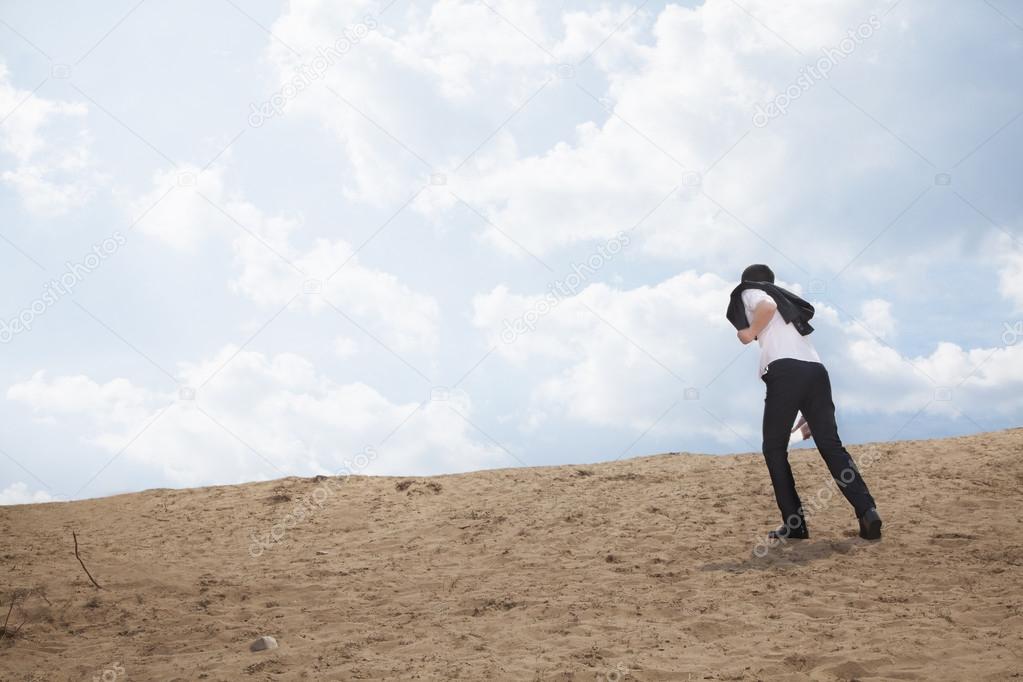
x=644 y=569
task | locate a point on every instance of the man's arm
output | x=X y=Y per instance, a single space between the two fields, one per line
x=762 y=315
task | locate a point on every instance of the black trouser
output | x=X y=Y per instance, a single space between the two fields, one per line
x=799 y=386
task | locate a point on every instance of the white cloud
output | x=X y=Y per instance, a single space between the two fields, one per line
x=1009 y=258
x=668 y=125
x=345 y=347
x=614 y=30
x=950 y=381
x=116 y=402
x=176 y=213
x=264 y=417
x=408 y=80
x=406 y=319
x=876 y=315
x=19 y=493
x=667 y=121
x=611 y=356
x=50 y=146
x=271 y=270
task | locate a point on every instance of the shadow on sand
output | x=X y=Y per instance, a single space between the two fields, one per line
x=794 y=552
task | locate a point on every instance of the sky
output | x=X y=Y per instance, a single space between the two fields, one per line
x=246 y=240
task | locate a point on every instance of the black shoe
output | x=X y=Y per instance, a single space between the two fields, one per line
x=785 y=532
x=870 y=525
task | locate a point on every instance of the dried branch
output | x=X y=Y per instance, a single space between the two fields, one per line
x=83 y=563
x=3 y=630
x=18 y=629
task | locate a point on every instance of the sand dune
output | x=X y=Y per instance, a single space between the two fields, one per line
x=645 y=569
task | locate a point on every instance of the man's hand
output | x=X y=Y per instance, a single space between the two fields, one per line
x=802 y=427
x=747 y=336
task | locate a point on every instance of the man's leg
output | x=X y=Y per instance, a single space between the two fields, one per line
x=819 y=410
x=784 y=393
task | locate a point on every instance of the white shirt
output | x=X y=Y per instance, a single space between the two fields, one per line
x=779 y=339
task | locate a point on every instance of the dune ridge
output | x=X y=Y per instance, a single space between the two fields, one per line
x=641 y=569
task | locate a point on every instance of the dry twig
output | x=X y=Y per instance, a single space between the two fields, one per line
x=3 y=630
x=83 y=563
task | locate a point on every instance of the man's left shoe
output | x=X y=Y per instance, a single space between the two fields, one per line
x=870 y=525
x=785 y=532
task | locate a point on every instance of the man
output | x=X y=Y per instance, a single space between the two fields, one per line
x=797 y=382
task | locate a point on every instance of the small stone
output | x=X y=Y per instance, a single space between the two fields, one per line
x=263 y=643
x=322 y=552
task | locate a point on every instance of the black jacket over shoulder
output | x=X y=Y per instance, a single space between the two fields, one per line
x=792 y=308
